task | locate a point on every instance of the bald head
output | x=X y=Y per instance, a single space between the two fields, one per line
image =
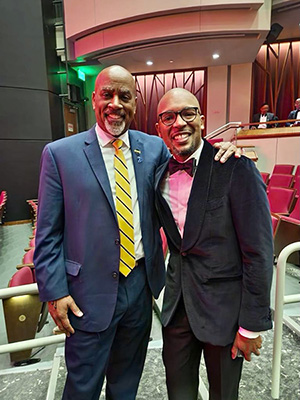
x=114 y=100
x=116 y=72
x=176 y=95
x=180 y=122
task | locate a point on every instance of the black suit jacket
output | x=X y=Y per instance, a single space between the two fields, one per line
x=223 y=264
x=270 y=117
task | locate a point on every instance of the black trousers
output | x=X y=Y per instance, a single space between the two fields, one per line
x=119 y=352
x=181 y=355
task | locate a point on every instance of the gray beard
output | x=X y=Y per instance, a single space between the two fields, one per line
x=115 y=129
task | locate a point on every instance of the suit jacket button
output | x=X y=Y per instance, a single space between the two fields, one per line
x=117 y=242
x=183 y=253
x=115 y=275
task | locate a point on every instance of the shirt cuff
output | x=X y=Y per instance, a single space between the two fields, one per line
x=248 y=334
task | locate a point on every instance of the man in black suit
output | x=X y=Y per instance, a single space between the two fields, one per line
x=264 y=116
x=217 y=222
x=295 y=114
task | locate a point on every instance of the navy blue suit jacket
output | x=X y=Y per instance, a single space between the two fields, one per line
x=77 y=240
x=223 y=264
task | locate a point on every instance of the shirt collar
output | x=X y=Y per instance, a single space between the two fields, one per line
x=105 y=138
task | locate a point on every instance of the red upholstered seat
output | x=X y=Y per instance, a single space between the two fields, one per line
x=28 y=257
x=283 y=169
x=295 y=214
x=297 y=172
x=275 y=220
x=281 y=180
x=281 y=200
x=22 y=277
x=265 y=177
x=296 y=184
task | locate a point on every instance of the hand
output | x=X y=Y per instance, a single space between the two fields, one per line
x=59 y=312
x=246 y=346
x=226 y=149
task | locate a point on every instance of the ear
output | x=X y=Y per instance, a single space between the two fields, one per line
x=157 y=129
x=202 y=120
x=93 y=100
x=135 y=101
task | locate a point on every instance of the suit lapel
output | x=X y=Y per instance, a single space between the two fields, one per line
x=164 y=210
x=198 y=198
x=95 y=158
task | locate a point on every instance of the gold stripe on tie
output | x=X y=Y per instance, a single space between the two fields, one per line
x=124 y=210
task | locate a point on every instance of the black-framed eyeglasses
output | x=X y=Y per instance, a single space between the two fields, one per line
x=188 y=114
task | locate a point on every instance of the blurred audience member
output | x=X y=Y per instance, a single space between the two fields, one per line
x=263 y=117
x=295 y=114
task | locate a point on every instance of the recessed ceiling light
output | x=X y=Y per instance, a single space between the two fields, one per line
x=171 y=61
x=149 y=62
x=215 y=56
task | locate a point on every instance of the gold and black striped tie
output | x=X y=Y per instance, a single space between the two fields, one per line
x=124 y=210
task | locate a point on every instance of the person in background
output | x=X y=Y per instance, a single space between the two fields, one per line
x=264 y=116
x=98 y=256
x=294 y=114
x=218 y=226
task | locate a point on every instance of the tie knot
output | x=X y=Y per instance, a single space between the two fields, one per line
x=117 y=144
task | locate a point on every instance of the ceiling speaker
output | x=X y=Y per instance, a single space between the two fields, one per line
x=274 y=33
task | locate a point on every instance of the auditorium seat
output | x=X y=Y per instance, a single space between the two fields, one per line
x=27 y=260
x=265 y=177
x=297 y=172
x=281 y=180
x=22 y=314
x=3 y=200
x=275 y=220
x=281 y=200
x=296 y=184
x=283 y=169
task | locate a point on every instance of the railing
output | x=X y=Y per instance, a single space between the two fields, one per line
x=280 y=300
x=238 y=126
x=222 y=129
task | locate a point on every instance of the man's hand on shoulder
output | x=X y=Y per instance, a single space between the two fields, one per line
x=246 y=346
x=226 y=150
x=59 y=312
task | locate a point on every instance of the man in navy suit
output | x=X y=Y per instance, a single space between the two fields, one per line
x=294 y=114
x=105 y=315
x=217 y=222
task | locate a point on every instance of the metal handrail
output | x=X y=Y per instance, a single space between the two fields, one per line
x=280 y=300
x=222 y=129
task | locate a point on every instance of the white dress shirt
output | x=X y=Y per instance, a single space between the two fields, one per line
x=108 y=152
x=263 y=118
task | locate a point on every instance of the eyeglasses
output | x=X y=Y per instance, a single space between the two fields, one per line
x=188 y=114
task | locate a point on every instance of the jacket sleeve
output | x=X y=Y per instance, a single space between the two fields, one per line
x=49 y=255
x=252 y=222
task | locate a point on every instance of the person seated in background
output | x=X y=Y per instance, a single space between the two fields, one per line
x=294 y=114
x=263 y=117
